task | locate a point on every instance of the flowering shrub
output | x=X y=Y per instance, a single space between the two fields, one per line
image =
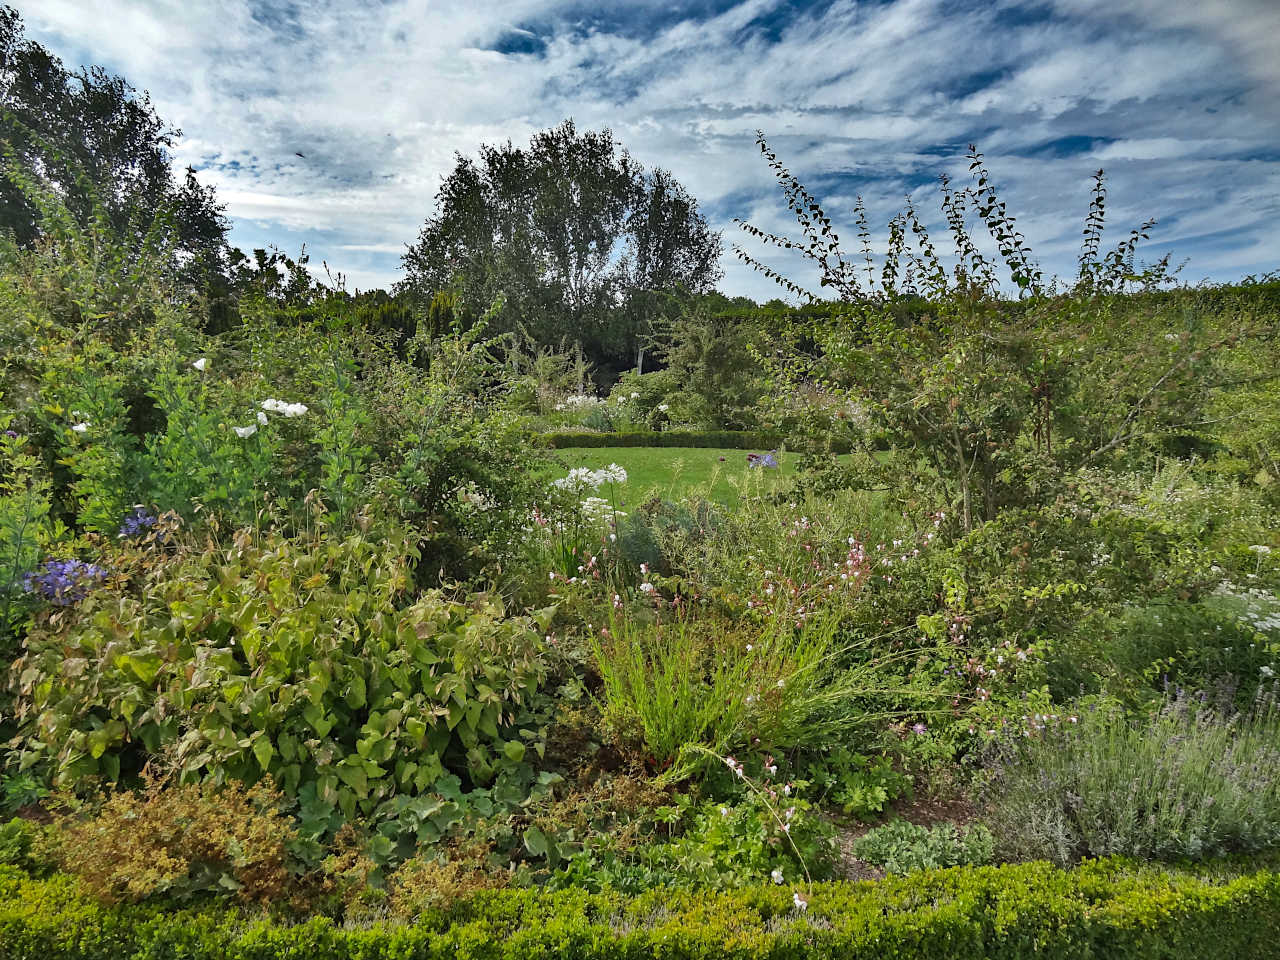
x=1191 y=782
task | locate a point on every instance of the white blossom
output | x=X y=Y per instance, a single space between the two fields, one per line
x=202 y=364
x=245 y=433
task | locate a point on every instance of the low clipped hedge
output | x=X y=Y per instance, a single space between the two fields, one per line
x=716 y=439
x=1103 y=909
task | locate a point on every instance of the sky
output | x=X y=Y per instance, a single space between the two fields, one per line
x=1178 y=100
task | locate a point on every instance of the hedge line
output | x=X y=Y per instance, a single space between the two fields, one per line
x=1103 y=909
x=717 y=439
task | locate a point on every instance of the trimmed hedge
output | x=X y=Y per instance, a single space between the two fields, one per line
x=1108 y=909
x=716 y=439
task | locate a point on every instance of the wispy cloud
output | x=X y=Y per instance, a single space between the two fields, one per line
x=1177 y=101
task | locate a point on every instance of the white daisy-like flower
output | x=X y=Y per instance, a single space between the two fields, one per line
x=81 y=427
x=776 y=875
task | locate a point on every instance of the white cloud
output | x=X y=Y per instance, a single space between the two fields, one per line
x=877 y=98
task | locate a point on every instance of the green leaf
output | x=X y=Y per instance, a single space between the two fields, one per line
x=264 y=751
x=514 y=750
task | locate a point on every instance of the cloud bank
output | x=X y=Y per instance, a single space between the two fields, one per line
x=1176 y=101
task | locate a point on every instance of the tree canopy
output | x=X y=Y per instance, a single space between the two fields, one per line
x=579 y=241
x=103 y=149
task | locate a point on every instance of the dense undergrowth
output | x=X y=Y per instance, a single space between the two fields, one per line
x=292 y=617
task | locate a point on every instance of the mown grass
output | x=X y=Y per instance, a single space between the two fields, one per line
x=676 y=472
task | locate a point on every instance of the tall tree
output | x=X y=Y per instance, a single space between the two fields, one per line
x=579 y=240
x=102 y=147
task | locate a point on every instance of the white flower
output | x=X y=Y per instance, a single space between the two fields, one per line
x=202 y=364
x=1267 y=672
x=1260 y=549
x=81 y=427
x=635 y=396
x=646 y=588
x=245 y=432
x=273 y=405
x=776 y=875
x=262 y=418
x=724 y=811
x=800 y=902
x=663 y=407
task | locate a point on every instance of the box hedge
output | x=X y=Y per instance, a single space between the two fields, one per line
x=715 y=439
x=1105 y=909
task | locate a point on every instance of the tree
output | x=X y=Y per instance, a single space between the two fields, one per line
x=574 y=235
x=104 y=151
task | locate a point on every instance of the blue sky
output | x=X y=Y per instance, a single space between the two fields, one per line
x=1179 y=101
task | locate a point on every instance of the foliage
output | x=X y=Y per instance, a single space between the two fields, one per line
x=860 y=786
x=542 y=226
x=710 y=358
x=179 y=840
x=990 y=401
x=902 y=847
x=99 y=145
x=692 y=683
x=292 y=658
x=721 y=845
x=1191 y=782
x=19 y=840
x=1022 y=911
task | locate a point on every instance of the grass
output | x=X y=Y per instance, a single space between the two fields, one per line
x=676 y=472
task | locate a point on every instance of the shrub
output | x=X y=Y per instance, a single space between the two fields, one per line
x=1108 y=908
x=292 y=658
x=179 y=840
x=902 y=847
x=1190 y=782
x=18 y=840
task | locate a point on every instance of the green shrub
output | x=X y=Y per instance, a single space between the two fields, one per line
x=902 y=847
x=1190 y=782
x=292 y=658
x=714 y=439
x=17 y=844
x=859 y=785
x=178 y=841
x=1103 y=909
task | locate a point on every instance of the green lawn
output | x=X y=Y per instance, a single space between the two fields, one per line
x=675 y=472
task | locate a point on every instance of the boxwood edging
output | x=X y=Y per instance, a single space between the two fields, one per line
x=1103 y=909
x=717 y=439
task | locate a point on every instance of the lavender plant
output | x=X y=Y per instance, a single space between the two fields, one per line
x=1192 y=781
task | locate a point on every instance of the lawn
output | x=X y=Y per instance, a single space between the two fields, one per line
x=675 y=472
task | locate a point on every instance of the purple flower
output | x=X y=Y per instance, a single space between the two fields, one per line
x=11 y=434
x=919 y=728
x=64 y=582
x=138 y=522
x=762 y=460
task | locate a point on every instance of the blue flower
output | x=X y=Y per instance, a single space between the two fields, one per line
x=64 y=582
x=138 y=522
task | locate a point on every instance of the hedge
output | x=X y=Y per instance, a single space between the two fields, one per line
x=717 y=439
x=1108 y=909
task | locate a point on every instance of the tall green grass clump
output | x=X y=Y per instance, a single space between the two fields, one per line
x=1191 y=782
